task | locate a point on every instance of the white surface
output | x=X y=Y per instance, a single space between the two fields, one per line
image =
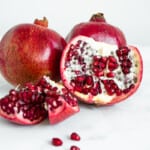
x=124 y=126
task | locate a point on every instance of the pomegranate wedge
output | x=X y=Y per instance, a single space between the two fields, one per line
x=100 y=73
x=32 y=103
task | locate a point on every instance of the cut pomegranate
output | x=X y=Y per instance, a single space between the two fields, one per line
x=75 y=136
x=29 y=105
x=60 y=102
x=57 y=141
x=100 y=73
x=98 y=29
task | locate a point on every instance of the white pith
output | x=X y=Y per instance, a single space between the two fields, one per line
x=54 y=84
x=100 y=49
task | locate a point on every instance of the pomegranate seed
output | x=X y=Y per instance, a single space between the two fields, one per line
x=75 y=136
x=74 y=147
x=57 y=141
x=112 y=59
x=110 y=74
x=80 y=78
x=89 y=80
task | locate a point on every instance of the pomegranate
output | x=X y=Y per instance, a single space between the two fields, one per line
x=74 y=147
x=29 y=51
x=75 y=136
x=100 y=73
x=60 y=102
x=31 y=104
x=98 y=29
x=57 y=141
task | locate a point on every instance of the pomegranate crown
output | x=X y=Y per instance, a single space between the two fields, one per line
x=98 y=17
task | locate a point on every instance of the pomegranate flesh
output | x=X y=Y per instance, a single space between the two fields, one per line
x=24 y=106
x=30 y=51
x=32 y=103
x=100 y=73
x=98 y=29
x=60 y=102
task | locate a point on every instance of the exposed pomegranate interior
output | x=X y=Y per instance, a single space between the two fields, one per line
x=100 y=73
x=60 y=102
x=29 y=105
x=25 y=106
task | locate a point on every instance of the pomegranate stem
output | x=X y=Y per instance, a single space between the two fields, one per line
x=42 y=22
x=98 y=17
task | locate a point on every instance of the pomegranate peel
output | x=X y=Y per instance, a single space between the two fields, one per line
x=86 y=63
x=98 y=29
x=30 y=51
x=62 y=97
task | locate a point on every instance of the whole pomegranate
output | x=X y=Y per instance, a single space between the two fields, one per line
x=29 y=51
x=100 y=73
x=34 y=102
x=98 y=29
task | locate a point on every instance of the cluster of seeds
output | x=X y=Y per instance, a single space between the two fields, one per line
x=94 y=71
x=31 y=101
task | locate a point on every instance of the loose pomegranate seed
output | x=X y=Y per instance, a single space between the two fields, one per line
x=57 y=141
x=74 y=147
x=75 y=136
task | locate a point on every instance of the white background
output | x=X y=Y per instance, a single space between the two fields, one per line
x=124 y=126
x=132 y=16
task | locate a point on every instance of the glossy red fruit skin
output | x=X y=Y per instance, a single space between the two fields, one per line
x=98 y=29
x=29 y=51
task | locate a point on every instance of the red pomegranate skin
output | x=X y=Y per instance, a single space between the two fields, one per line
x=29 y=51
x=98 y=29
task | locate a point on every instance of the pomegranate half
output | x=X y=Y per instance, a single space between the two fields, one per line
x=98 y=29
x=29 y=51
x=100 y=73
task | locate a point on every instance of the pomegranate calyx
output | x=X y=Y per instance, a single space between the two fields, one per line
x=42 y=22
x=98 y=17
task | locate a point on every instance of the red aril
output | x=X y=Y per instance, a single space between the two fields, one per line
x=60 y=102
x=24 y=106
x=75 y=136
x=100 y=73
x=74 y=147
x=98 y=29
x=57 y=141
x=32 y=103
x=29 y=51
